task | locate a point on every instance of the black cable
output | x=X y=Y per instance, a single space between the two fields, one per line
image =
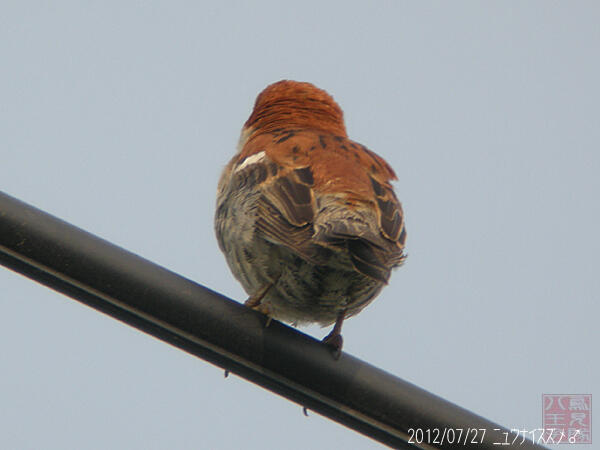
x=229 y=335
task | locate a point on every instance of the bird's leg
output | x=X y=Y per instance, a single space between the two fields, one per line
x=334 y=339
x=254 y=302
x=255 y=299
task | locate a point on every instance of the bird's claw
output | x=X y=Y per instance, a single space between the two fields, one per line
x=267 y=310
x=335 y=341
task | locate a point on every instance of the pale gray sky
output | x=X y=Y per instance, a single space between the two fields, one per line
x=119 y=116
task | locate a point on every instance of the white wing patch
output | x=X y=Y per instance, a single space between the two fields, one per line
x=252 y=159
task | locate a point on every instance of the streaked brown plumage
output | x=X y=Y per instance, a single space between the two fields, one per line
x=307 y=219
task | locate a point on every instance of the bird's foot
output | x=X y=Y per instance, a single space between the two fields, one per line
x=335 y=341
x=267 y=310
x=255 y=299
x=255 y=302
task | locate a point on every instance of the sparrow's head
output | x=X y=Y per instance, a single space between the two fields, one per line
x=294 y=104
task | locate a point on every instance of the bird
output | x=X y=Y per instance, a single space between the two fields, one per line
x=307 y=219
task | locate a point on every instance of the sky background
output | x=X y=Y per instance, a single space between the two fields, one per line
x=119 y=116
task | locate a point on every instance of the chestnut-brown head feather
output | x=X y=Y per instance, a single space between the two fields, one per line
x=293 y=104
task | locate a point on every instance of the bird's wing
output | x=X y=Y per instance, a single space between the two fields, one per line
x=323 y=193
